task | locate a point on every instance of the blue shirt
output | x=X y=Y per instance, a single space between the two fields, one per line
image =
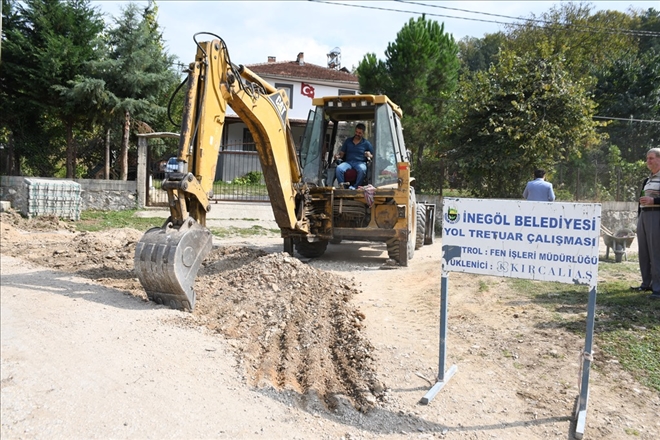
x=539 y=190
x=355 y=152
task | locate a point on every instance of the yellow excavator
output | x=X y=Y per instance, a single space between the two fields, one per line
x=309 y=206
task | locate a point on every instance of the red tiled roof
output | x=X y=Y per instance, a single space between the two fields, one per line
x=302 y=71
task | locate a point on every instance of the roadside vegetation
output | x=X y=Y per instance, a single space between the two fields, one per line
x=93 y=221
x=250 y=183
x=627 y=327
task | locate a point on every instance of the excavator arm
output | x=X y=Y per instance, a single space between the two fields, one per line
x=167 y=258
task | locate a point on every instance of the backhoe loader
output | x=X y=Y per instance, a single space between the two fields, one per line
x=309 y=206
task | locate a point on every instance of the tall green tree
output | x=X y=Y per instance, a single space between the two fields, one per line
x=649 y=25
x=584 y=40
x=138 y=72
x=419 y=73
x=13 y=102
x=479 y=53
x=630 y=88
x=49 y=44
x=523 y=113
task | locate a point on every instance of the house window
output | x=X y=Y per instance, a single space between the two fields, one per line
x=288 y=88
x=346 y=92
x=248 y=141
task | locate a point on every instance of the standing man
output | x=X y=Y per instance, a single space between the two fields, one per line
x=648 y=227
x=538 y=189
x=355 y=151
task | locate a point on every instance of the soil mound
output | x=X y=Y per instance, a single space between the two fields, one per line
x=294 y=324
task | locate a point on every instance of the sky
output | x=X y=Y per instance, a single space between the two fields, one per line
x=255 y=30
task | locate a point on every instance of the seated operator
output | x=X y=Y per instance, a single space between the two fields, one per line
x=355 y=151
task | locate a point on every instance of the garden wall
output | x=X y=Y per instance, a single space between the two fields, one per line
x=104 y=195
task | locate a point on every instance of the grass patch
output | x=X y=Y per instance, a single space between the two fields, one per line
x=252 y=231
x=632 y=431
x=627 y=323
x=638 y=351
x=224 y=189
x=93 y=221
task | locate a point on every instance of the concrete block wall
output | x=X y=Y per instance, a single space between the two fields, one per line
x=14 y=190
x=619 y=215
x=108 y=195
x=103 y=195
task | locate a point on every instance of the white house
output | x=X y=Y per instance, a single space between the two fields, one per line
x=302 y=81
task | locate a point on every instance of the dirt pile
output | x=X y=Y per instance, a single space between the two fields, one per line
x=293 y=326
x=41 y=223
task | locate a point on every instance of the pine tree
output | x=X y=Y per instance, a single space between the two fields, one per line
x=419 y=73
x=48 y=45
x=137 y=71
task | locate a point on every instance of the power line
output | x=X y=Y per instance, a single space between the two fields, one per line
x=470 y=12
x=612 y=118
x=378 y=8
x=576 y=28
x=535 y=20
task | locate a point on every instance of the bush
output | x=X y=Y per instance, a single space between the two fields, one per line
x=251 y=178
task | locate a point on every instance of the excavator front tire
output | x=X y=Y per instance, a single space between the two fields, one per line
x=311 y=249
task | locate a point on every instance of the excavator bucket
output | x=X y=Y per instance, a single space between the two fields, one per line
x=167 y=260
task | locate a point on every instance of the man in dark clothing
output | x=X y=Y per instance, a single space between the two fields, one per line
x=648 y=227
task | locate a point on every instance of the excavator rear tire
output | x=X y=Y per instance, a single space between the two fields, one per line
x=429 y=235
x=421 y=226
x=311 y=249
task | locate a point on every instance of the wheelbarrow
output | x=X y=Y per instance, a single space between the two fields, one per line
x=618 y=242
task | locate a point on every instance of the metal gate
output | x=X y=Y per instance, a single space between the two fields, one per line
x=238 y=177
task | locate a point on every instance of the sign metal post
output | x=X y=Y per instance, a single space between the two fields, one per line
x=443 y=377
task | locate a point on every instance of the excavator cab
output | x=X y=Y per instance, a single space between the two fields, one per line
x=334 y=119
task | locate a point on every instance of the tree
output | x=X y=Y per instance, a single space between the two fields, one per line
x=137 y=72
x=14 y=106
x=649 y=22
x=585 y=41
x=523 y=113
x=419 y=73
x=479 y=53
x=631 y=89
x=49 y=44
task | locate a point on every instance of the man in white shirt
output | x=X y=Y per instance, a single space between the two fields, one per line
x=648 y=227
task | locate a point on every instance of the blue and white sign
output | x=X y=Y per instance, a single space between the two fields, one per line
x=520 y=239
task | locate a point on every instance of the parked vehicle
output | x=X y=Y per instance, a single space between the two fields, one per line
x=172 y=165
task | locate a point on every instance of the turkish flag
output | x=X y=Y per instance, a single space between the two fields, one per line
x=307 y=90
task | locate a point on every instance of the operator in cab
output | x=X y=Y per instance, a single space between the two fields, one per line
x=355 y=152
